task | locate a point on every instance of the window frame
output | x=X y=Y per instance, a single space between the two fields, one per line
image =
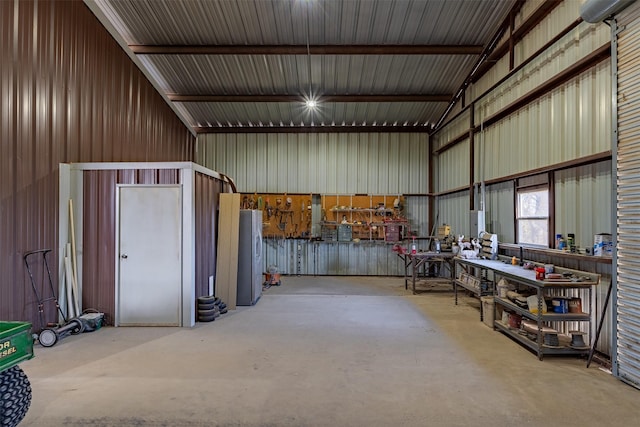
x=541 y=187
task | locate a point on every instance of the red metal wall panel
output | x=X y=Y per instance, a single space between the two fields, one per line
x=98 y=241
x=99 y=231
x=207 y=190
x=68 y=93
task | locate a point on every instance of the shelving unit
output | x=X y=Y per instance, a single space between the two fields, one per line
x=477 y=285
x=359 y=212
x=526 y=278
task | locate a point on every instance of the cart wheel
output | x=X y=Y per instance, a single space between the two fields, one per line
x=79 y=326
x=48 y=337
x=15 y=394
x=278 y=284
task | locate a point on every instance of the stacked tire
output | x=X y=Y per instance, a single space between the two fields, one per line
x=210 y=308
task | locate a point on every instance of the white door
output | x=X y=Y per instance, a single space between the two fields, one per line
x=149 y=255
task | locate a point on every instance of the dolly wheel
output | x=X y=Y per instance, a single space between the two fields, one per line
x=48 y=337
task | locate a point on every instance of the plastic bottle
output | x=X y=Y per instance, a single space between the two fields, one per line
x=558 y=239
x=514 y=261
x=413 y=247
x=571 y=242
x=562 y=245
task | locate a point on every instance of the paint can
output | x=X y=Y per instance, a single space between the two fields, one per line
x=560 y=305
x=514 y=320
x=575 y=305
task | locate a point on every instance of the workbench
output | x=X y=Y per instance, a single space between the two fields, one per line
x=424 y=261
x=523 y=278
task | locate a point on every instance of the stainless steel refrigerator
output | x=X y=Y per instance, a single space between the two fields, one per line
x=250 y=257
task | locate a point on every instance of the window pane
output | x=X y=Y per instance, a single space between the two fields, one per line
x=533 y=231
x=533 y=204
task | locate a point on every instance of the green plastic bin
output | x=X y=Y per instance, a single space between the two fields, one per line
x=16 y=343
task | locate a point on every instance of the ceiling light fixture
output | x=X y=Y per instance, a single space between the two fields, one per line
x=310 y=102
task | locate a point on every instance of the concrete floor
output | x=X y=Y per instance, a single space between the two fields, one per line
x=322 y=351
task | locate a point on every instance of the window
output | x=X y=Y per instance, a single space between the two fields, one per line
x=532 y=216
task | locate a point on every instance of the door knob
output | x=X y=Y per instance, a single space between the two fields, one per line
x=124 y=256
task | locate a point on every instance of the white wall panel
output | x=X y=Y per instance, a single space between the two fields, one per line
x=583 y=202
x=333 y=163
x=417 y=212
x=563 y=15
x=569 y=123
x=576 y=45
x=453 y=209
x=499 y=210
x=453 y=168
x=491 y=77
x=452 y=130
x=383 y=168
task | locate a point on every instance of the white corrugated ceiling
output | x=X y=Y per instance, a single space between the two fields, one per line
x=251 y=83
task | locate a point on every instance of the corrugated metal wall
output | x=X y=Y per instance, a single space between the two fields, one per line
x=578 y=115
x=304 y=257
x=207 y=191
x=453 y=209
x=500 y=210
x=416 y=210
x=571 y=122
x=576 y=44
x=453 y=167
x=322 y=163
x=627 y=296
x=583 y=202
x=453 y=129
x=98 y=231
x=68 y=94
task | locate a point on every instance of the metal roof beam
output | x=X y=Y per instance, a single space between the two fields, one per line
x=304 y=50
x=312 y=129
x=299 y=98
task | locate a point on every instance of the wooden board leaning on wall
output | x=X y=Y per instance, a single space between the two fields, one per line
x=289 y=215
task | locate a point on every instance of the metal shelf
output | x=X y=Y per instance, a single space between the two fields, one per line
x=533 y=345
x=546 y=317
x=527 y=278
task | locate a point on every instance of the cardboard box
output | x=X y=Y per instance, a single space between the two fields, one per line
x=392 y=233
x=602 y=245
x=443 y=231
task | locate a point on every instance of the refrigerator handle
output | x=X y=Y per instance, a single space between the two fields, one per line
x=258 y=246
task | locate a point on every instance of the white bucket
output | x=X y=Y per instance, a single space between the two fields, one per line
x=503 y=288
x=488 y=311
